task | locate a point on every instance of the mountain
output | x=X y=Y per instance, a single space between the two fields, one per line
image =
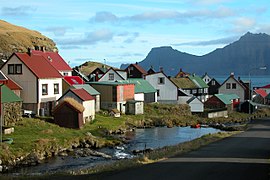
x=251 y=51
x=18 y=39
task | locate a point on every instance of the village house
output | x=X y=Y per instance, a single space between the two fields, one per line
x=84 y=98
x=144 y=91
x=266 y=88
x=113 y=75
x=196 y=105
x=69 y=81
x=202 y=87
x=97 y=73
x=114 y=95
x=10 y=84
x=259 y=96
x=186 y=85
x=213 y=85
x=167 y=91
x=219 y=101
x=206 y=78
x=135 y=71
x=151 y=70
x=41 y=83
x=92 y=92
x=69 y=113
x=233 y=86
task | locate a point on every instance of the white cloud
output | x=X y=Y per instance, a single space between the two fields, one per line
x=58 y=30
x=17 y=11
x=225 y=40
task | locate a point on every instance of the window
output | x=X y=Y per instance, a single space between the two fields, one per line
x=194 y=91
x=14 y=69
x=200 y=90
x=228 y=86
x=44 y=89
x=56 y=88
x=158 y=92
x=65 y=74
x=161 y=80
x=111 y=76
x=213 y=83
x=233 y=85
x=11 y=68
x=131 y=68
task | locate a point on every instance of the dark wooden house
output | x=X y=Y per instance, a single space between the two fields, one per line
x=213 y=86
x=69 y=113
x=135 y=71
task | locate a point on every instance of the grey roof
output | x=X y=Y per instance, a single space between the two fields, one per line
x=88 y=88
x=82 y=75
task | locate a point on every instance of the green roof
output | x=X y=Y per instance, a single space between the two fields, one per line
x=8 y=95
x=141 y=85
x=198 y=81
x=227 y=98
x=88 y=88
x=183 y=83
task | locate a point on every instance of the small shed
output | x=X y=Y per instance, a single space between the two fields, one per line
x=69 y=113
x=196 y=106
x=114 y=112
x=135 y=107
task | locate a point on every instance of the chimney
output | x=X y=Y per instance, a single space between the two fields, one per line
x=232 y=74
x=29 y=51
x=37 y=48
x=136 y=63
x=43 y=48
x=161 y=69
x=239 y=78
x=181 y=70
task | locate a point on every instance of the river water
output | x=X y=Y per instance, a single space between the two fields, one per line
x=138 y=140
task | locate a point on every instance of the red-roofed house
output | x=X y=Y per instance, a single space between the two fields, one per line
x=56 y=61
x=84 y=98
x=266 y=88
x=41 y=83
x=259 y=96
x=135 y=71
x=69 y=81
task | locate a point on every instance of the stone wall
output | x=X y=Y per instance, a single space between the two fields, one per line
x=12 y=113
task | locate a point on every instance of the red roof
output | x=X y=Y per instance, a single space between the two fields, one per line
x=39 y=66
x=266 y=86
x=12 y=85
x=55 y=59
x=261 y=92
x=82 y=94
x=74 y=80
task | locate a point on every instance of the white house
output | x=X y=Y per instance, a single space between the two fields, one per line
x=84 y=98
x=195 y=104
x=113 y=75
x=233 y=86
x=206 y=78
x=166 y=89
x=41 y=83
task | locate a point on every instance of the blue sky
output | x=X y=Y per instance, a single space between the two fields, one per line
x=125 y=31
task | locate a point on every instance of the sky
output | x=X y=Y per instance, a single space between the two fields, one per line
x=118 y=31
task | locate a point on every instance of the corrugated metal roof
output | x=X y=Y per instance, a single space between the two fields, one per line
x=72 y=80
x=141 y=85
x=198 y=81
x=82 y=94
x=88 y=88
x=227 y=98
x=39 y=65
x=261 y=92
x=8 y=95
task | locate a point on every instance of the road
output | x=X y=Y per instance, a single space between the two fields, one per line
x=242 y=156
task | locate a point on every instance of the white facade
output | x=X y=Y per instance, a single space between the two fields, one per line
x=111 y=75
x=66 y=73
x=195 y=105
x=232 y=86
x=206 y=78
x=139 y=96
x=166 y=89
x=51 y=95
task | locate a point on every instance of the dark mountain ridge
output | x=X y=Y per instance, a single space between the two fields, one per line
x=251 y=51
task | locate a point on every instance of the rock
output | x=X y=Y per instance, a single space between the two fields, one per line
x=0 y=161
x=63 y=153
x=1 y=168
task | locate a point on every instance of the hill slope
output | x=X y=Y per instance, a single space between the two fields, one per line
x=250 y=51
x=18 y=39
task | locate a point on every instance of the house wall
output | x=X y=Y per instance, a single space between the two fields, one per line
x=240 y=91
x=89 y=110
x=217 y=114
x=97 y=102
x=167 y=91
x=196 y=106
x=66 y=73
x=139 y=97
x=50 y=96
x=106 y=94
x=150 y=97
x=135 y=107
x=105 y=77
x=125 y=92
x=123 y=74
x=27 y=80
x=134 y=72
x=214 y=103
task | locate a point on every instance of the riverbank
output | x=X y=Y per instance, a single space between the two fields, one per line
x=37 y=139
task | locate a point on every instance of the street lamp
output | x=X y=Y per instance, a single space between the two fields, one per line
x=250 y=91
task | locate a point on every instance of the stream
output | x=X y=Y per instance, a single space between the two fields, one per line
x=140 y=139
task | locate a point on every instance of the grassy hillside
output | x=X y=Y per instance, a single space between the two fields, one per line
x=18 y=39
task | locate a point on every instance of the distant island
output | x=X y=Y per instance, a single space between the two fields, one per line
x=249 y=52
